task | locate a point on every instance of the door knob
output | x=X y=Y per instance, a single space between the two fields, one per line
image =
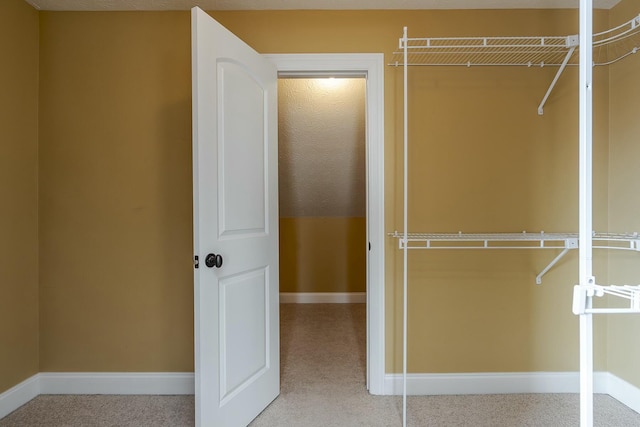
x=213 y=260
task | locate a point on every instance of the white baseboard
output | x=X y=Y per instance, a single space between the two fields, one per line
x=493 y=383
x=117 y=383
x=18 y=395
x=168 y=383
x=165 y=383
x=322 y=297
x=625 y=393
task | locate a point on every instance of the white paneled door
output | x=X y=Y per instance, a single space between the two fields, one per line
x=235 y=172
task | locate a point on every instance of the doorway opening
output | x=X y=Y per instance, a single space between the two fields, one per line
x=370 y=69
x=322 y=189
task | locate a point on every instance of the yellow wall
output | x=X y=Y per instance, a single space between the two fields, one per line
x=323 y=254
x=115 y=192
x=18 y=192
x=116 y=291
x=624 y=205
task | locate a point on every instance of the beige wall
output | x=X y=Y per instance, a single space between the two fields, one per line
x=18 y=192
x=624 y=205
x=323 y=254
x=116 y=291
x=115 y=192
x=322 y=188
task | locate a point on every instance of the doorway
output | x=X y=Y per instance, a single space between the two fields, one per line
x=371 y=68
x=321 y=180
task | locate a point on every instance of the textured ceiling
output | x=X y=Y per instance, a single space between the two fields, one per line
x=308 y=4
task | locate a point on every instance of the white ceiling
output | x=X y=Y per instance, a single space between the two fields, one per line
x=309 y=4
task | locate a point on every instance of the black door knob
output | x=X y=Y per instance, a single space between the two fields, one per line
x=213 y=260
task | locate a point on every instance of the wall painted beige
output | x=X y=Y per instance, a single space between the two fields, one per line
x=323 y=254
x=624 y=205
x=18 y=193
x=116 y=192
x=321 y=169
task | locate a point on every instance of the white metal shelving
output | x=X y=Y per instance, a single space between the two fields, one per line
x=474 y=241
x=608 y=47
x=603 y=48
x=537 y=51
x=629 y=293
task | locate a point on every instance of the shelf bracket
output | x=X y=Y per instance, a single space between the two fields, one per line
x=568 y=245
x=572 y=42
x=583 y=296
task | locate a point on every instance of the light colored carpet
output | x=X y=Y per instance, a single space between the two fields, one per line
x=103 y=411
x=323 y=384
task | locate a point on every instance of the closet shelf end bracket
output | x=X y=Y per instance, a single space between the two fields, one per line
x=572 y=43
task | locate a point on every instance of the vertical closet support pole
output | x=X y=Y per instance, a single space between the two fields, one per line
x=406 y=228
x=585 y=207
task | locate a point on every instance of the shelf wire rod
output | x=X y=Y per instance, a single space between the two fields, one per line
x=633 y=28
x=612 y=311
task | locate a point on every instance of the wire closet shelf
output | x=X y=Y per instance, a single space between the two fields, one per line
x=554 y=51
x=524 y=240
x=509 y=241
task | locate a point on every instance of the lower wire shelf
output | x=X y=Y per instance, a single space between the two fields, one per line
x=524 y=240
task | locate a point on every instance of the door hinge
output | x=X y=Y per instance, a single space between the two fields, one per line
x=196 y=262
x=369 y=245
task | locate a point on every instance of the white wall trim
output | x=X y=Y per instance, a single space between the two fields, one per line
x=370 y=65
x=117 y=383
x=180 y=383
x=625 y=393
x=159 y=383
x=18 y=395
x=322 y=297
x=494 y=383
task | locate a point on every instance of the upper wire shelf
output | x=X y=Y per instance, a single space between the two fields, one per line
x=608 y=47
x=555 y=51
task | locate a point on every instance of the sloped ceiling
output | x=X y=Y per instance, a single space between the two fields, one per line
x=308 y=4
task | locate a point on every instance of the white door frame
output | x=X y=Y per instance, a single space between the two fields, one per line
x=370 y=66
